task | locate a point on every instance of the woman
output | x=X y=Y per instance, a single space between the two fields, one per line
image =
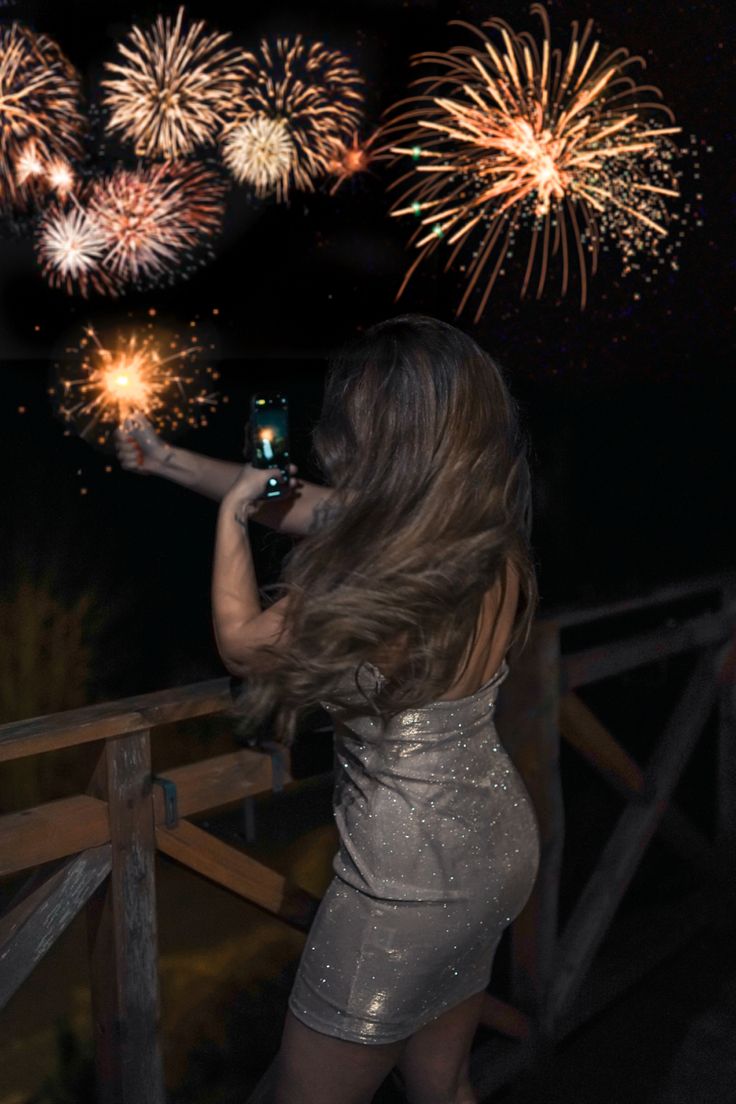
x=414 y=583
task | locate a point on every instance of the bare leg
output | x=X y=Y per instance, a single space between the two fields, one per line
x=313 y=1068
x=435 y=1061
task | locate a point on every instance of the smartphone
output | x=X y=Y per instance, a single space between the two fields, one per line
x=269 y=438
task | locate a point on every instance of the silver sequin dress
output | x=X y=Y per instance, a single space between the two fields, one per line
x=439 y=851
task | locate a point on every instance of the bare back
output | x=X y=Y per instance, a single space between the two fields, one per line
x=490 y=646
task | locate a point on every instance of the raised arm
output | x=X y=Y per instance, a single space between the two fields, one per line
x=140 y=450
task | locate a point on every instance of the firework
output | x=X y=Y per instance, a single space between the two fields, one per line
x=147 y=372
x=155 y=217
x=354 y=155
x=70 y=248
x=173 y=88
x=512 y=140
x=314 y=93
x=260 y=152
x=40 y=111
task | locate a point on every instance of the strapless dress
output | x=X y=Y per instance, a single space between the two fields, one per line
x=438 y=853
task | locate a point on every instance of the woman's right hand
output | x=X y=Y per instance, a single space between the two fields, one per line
x=138 y=446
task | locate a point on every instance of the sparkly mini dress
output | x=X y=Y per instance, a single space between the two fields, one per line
x=438 y=853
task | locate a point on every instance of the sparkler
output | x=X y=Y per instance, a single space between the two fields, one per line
x=517 y=139
x=145 y=372
x=40 y=113
x=174 y=88
x=314 y=93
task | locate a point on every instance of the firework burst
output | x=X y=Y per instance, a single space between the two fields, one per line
x=172 y=91
x=70 y=248
x=148 y=372
x=259 y=151
x=354 y=155
x=155 y=217
x=313 y=92
x=40 y=111
x=513 y=140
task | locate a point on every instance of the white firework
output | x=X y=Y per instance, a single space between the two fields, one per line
x=259 y=151
x=29 y=164
x=70 y=248
x=60 y=176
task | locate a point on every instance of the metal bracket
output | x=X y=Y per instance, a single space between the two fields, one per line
x=171 y=808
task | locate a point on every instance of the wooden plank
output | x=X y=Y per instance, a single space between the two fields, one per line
x=114 y=718
x=595 y=907
x=232 y=869
x=59 y=828
x=501 y=1016
x=615 y=656
x=581 y=729
x=642 y=939
x=52 y=831
x=726 y=752
x=526 y=718
x=34 y=922
x=122 y=933
x=567 y=615
x=585 y=732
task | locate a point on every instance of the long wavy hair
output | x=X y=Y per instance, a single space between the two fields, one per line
x=423 y=445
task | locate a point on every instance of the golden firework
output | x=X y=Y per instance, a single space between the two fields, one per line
x=314 y=93
x=259 y=151
x=174 y=88
x=513 y=139
x=40 y=111
x=354 y=155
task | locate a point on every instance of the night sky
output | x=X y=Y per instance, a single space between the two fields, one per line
x=629 y=403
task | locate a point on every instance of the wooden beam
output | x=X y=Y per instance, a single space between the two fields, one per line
x=616 y=656
x=34 y=922
x=71 y=824
x=585 y=732
x=594 y=909
x=527 y=723
x=122 y=933
x=114 y=718
x=504 y=1017
x=232 y=869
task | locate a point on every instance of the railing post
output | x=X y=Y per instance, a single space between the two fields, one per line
x=528 y=724
x=122 y=932
x=726 y=754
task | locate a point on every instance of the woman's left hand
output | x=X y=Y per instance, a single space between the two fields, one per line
x=244 y=499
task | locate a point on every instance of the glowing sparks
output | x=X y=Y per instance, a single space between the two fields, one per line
x=151 y=373
x=517 y=139
x=136 y=227
x=259 y=152
x=316 y=93
x=70 y=248
x=40 y=112
x=352 y=156
x=173 y=89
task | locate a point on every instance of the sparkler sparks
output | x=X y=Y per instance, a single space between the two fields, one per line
x=513 y=139
x=313 y=92
x=40 y=112
x=148 y=372
x=174 y=89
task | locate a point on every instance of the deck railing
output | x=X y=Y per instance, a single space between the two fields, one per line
x=96 y=850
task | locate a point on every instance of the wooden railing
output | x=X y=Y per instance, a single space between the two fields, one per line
x=96 y=850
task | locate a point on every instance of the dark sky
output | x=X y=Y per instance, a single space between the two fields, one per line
x=629 y=403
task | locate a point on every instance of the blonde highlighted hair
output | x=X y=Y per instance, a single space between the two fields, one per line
x=422 y=442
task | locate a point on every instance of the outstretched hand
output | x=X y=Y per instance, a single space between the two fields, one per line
x=138 y=446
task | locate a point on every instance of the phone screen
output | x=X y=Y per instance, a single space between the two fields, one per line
x=269 y=421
